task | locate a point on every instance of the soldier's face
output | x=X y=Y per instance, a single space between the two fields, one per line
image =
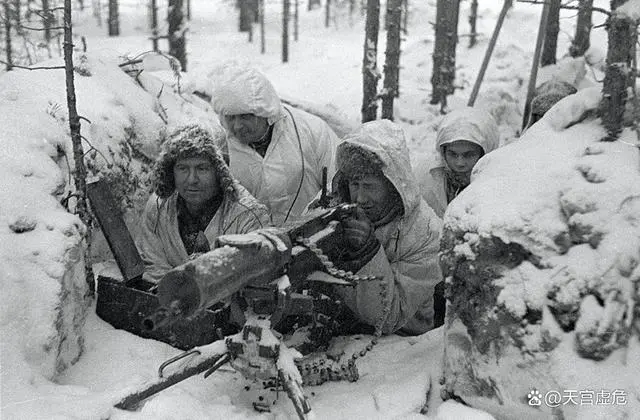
x=196 y=181
x=462 y=155
x=372 y=194
x=247 y=128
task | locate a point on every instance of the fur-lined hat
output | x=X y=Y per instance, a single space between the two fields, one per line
x=185 y=142
x=548 y=94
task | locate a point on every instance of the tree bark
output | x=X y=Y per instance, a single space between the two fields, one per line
x=262 y=40
x=244 y=23
x=551 y=34
x=473 y=17
x=46 y=20
x=154 y=25
x=97 y=11
x=444 y=51
x=295 y=20
x=114 y=18
x=581 y=42
x=370 y=73
x=7 y=36
x=285 y=31
x=176 y=32
x=620 y=74
x=80 y=171
x=327 y=13
x=392 y=60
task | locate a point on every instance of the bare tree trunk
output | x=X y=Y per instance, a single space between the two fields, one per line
x=392 y=54
x=551 y=34
x=473 y=17
x=46 y=20
x=154 y=25
x=620 y=76
x=188 y=9
x=262 y=40
x=80 y=172
x=245 y=16
x=487 y=56
x=176 y=33
x=444 y=51
x=17 y=15
x=535 y=63
x=7 y=35
x=327 y=13
x=114 y=18
x=581 y=42
x=405 y=17
x=97 y=11
x=285 y=31
x=295 y=20
x=370 y=73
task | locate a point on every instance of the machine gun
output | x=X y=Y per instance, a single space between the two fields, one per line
x=266 y=268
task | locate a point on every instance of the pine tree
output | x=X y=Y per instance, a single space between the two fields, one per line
x=114 y=18
x=444 y=51
x=176 y=32
x=581 y=41
x=392 y=54
x=285 y=31
x=473 y=17
x=154 y=24
x=550 y=47
x=7 y=35
x=80 y=171
x=370 y=74
x=620 y=76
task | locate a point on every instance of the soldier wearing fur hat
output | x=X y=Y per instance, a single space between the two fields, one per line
x=195 y=200
x=395 y=235
x=276 y=152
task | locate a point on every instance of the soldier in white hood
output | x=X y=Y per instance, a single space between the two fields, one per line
x=464 y=136
x=395 y=236
x=276 y=152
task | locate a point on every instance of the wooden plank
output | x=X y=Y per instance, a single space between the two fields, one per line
x=115 y=231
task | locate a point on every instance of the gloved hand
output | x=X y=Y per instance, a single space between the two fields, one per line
x=360 y=243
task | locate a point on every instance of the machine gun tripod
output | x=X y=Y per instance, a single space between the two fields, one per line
x=267 y=268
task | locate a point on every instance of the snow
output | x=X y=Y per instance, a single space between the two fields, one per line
x=324 y=74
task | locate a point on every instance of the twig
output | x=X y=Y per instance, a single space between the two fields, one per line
x=34 y=68
x=41 y=29
x=566 y=6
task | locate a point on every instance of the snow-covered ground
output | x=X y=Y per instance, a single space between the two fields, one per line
x=39 y=240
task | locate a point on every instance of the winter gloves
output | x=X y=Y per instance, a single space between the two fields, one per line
x=360 y=243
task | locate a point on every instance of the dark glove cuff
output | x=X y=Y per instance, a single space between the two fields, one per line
x=354 y=261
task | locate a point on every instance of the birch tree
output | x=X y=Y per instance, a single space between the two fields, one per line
x=370 y=73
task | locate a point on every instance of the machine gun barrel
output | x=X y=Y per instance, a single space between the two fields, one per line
x=254 y=258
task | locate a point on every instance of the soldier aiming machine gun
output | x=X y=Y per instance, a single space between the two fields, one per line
x=268 y=269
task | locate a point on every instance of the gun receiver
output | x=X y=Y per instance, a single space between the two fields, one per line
x=255 y=258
